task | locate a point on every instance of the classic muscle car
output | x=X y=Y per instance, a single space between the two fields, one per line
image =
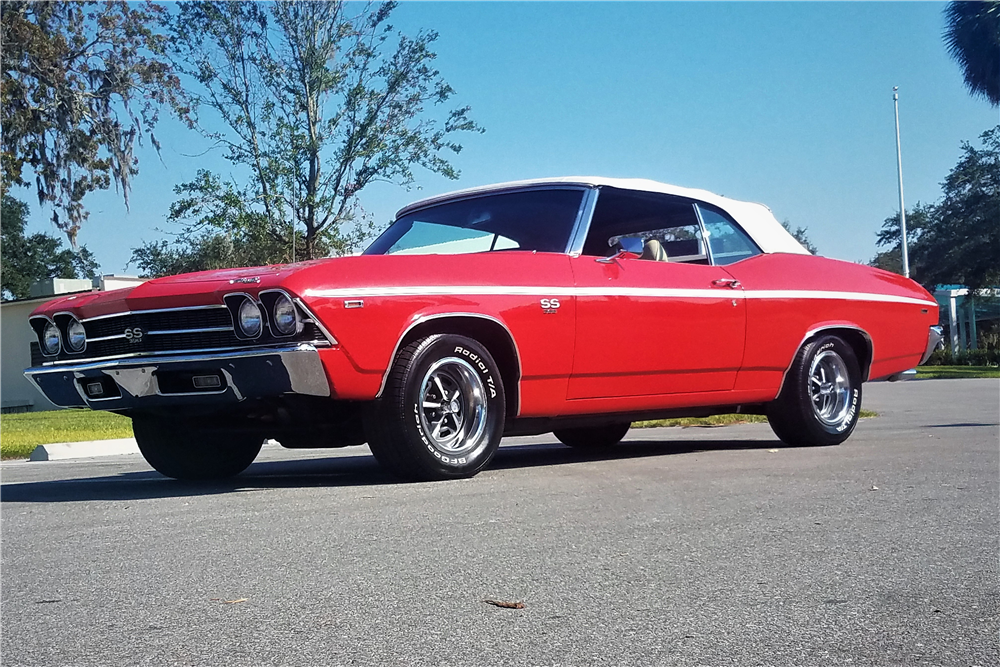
x=572 y=305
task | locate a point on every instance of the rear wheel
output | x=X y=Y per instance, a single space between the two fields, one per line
x=179 y=450
x=596 y=437
x=441 y=414
x=820 y=402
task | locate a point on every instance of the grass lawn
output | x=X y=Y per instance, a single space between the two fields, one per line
x=22 y=432
x=718 y=420
x=942 y=372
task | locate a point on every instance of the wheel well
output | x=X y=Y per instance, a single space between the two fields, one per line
x=860 y=343
x=491 y=334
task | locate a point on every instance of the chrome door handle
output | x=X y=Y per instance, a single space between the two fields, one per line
x=731 y=283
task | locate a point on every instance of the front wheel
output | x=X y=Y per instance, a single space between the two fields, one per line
x=181 y=451
x=441 y=415
x=820 y=402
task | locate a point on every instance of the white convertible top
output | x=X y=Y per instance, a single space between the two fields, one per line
x=756 y=219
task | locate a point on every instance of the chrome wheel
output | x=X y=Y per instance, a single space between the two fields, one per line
x=453 y=407
x=829 y=388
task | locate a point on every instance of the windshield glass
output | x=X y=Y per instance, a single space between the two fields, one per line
x=539 y=220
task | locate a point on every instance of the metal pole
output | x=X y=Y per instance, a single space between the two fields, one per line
x=902 y=207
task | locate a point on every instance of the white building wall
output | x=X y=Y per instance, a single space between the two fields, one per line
x=16 y=393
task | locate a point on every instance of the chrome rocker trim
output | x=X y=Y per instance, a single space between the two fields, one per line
x=271 y=371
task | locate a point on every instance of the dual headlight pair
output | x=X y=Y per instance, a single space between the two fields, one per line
x=284 y=319
x=52 y=337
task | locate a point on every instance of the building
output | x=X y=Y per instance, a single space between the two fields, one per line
x=963 y=317
x=16 y=393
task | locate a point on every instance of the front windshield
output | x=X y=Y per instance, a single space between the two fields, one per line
x=539 y=220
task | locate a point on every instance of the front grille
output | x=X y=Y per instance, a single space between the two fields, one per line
x=152 y=333
x=202 y=318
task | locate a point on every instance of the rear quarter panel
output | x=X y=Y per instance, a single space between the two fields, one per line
x=791 y=296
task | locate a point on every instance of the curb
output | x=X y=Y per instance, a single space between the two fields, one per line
x=59 y=451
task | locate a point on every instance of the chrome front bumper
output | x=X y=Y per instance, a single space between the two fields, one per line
x=163 y=381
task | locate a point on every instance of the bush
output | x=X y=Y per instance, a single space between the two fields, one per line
x=986 y=355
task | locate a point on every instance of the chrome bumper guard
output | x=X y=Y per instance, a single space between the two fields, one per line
x=159 y=381
x=934 y=337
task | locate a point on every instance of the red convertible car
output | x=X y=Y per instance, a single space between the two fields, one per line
x=573 y=305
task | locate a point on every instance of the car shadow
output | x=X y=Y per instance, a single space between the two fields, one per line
x=336 y=471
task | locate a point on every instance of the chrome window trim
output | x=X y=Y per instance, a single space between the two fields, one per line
x=445 y=199
x=438 y=316
x=582 y=225
x=145 y=355
x=152 y=310
x=731 y=220
x=705 y=236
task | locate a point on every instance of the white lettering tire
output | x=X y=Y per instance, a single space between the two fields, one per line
x=820 y=402
x=441 y=414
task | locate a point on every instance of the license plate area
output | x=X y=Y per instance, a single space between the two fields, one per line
x=191 y=382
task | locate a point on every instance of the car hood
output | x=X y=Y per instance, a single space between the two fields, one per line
x=300 y=279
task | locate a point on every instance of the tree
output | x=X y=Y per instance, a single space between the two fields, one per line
x=27 y=260
x=918 y=219
x=800 y=236
x=957 y=240
x=82 y=83
x=972 y=36
x=220 y=230
x=317 y=104
x=962 y=246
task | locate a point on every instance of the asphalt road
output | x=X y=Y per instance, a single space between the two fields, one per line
x=682 y=547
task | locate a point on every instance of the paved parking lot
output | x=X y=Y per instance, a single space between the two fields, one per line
x=682 y=547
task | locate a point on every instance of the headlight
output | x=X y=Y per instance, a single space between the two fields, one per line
x=50 y=339
x=76 y=337
x=250 y=318
x=284 y=315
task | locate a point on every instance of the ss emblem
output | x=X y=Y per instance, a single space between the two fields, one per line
x=550 y=306
x=133 y=335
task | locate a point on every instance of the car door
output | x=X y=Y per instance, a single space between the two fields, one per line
x=656 y=324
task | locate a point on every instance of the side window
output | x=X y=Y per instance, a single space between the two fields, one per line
x=667 y=226
x=729 y=243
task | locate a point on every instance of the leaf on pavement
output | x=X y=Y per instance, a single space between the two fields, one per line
x=505 y=605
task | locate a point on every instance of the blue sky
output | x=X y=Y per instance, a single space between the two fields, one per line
x=788 y=104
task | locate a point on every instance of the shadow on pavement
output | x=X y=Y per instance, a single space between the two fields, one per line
x=335 y=471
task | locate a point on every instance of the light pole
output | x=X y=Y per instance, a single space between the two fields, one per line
x=902 y=208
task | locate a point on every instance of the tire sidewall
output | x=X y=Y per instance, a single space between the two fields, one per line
x=828 y=433
x=442 y=463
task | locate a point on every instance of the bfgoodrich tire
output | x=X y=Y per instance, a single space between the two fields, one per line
x=820 y=401
x=598 y=437
x=441 y=414
x=180 y=451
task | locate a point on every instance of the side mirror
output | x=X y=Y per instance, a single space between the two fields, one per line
x=627 y=245
x=630 y=244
